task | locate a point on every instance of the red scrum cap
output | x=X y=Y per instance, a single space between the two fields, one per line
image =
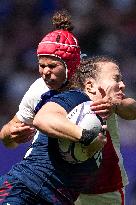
x=62 y=43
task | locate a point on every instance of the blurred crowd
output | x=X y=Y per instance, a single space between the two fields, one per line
x=102 y=27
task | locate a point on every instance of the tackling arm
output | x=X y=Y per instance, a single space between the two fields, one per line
x=6 y=133
x=20 y=128
x=15 y=132
x=126 y=109
x=104 y=107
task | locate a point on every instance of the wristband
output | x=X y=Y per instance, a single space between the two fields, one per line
x=87 y=136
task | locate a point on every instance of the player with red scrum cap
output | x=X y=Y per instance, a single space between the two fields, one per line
x=59 y=56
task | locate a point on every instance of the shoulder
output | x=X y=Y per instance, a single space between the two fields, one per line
x=33 y=94
x=70 y=99
x=71 y=95
x=39 y=84
x=36 y=90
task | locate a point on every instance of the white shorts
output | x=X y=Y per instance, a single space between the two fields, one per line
x=110 y=198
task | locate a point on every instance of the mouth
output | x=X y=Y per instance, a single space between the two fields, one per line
x=49 y=81
x=121 y=96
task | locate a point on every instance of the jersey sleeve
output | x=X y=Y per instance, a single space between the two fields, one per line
x=30 y=100
x=26 y=108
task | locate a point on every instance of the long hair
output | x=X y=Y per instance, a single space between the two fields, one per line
x=89 y=68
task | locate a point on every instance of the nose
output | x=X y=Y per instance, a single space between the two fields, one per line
x=46 y=71
x=122 y=85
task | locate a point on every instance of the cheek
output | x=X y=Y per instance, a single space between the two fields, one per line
x=61 y=73
x=112 y=89
x=40 y=71
x=109 y=85
x=115 y=86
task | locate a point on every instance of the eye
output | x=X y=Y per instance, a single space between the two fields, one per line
x=42 y=65
x=52 y=65
x=118 y=78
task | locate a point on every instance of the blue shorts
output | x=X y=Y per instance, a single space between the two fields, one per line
x=14 y=192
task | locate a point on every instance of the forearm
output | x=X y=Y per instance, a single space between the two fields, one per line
x=5 y=136
x=16 y=132
x=126 y=109
x=58 y=126
x=6 y=129
x=5 y=132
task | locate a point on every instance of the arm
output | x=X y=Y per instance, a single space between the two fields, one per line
x=15 y=132
x=20 y=129
x=5 y=134
x=126 y=109
x=51 y=119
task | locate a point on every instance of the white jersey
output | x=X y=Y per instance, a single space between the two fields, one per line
x=30 y=100
x=111 y=175
x=112 y=124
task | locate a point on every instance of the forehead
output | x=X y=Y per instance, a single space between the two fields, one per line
x=109 y=68
x=49 y=59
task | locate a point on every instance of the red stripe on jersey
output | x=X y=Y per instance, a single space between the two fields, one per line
x=122 y=197
x=4 y=191
x=4 y=194
x=7 y=184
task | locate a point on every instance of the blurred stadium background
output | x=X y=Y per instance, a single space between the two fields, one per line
x=102 y=27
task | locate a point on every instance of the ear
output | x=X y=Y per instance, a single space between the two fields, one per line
x=90 y=86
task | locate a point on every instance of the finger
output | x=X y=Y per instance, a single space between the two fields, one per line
x=31 y=129
x=21 y=124
x=19 y=134
x=104 y=127
x=98 y=102
x=102 y=112
x=108 y=90
x=102 y=91
x=25 y=128
x=102 y=138
x=105 y=106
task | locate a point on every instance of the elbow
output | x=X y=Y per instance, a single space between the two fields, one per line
x=40 y=124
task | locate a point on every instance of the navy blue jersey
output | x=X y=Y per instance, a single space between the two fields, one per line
x=43 y=165
x=44 y=98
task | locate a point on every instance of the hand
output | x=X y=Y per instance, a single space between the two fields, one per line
x=21 y=132
x=98 y=143
x=105 y=106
